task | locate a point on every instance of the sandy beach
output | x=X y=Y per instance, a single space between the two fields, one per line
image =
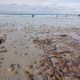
x=39 y=53
x=39 y=48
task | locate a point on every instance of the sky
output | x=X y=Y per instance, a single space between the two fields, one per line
x=66 y=3
x=72 y=4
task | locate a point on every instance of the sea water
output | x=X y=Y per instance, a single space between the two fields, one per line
x=50 y=20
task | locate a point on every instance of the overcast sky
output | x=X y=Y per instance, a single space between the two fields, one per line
x=66 y=3
x=58 y=5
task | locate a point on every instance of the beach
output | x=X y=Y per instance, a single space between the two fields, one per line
x=36 y=50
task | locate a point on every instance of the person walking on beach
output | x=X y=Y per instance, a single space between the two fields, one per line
x=32 y=15
x=78 y=15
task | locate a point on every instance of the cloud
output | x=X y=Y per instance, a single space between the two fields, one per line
x=42 y=2
x=47 y=6
x=26 y=9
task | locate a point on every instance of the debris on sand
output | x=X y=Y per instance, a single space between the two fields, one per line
x=14 y=68
x=59 y=58
x=63 y=35
x=26 y=54
x=16 y=72
x=57 y=65
x=0 y=65
x=44 y=41
x=1 y=62
x=15 y=52
x=2 y=47
x=2 y=58
x=3 y=50
x=2 y=38
x=28 y=75
x=18 y=65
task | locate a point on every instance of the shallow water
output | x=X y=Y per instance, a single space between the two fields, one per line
x=51 y=20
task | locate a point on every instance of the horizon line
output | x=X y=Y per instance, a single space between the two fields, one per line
x=41 y=14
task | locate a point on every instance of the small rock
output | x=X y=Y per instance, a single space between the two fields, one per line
x=0 y=65
x=26 y=54
x=16 y=72
x=0 y=62
x=1 y=58
x=3 y=50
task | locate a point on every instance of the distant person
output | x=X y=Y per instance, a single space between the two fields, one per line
x=32 y=15
x=56 y=15
x=78 y=15
x=66 y=15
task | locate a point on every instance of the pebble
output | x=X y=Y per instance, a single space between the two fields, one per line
x=25 y=54
x=1 y=58
x=3 y=50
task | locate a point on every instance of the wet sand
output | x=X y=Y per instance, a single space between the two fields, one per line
x=43 y=53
